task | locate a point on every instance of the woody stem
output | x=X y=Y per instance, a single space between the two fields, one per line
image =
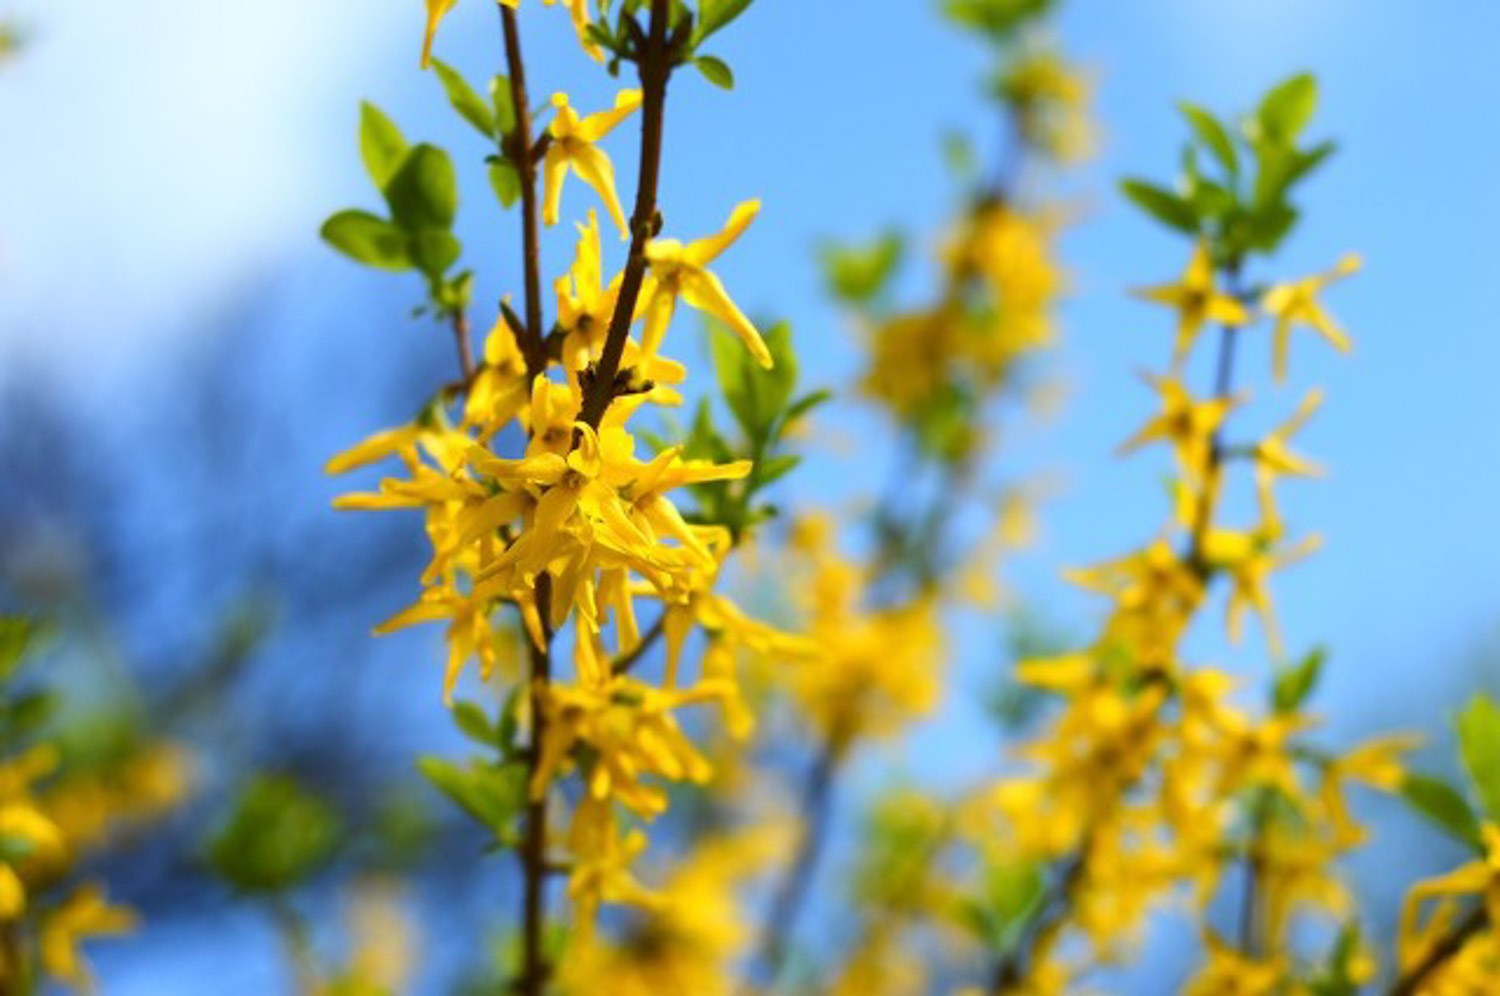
x=655 y=65
x=517 y=147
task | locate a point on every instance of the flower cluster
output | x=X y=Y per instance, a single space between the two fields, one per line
x=541 y=505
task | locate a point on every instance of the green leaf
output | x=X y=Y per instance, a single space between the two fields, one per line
x=505 y=107
x=857 y=274
x=999 y=20
x=1212 y=135
x=25 y=714
x=16 y=634
x=470 y=106
x=505 y=181
x=1479 y=746
x=1287 y=108
x=1269 y=226
x=716 y=71
x=423 y=192
x=755 y=396
x=1294 y=684
x=278 y=833
x=1010 y=896
x=434 y=250
x=474 y=724
x=380 y=144
x=714 y=15
x=367 y=239
x=807 y=403
x=773 y=469
x=1166 y=207
x=1442 y=804
x=491 y=794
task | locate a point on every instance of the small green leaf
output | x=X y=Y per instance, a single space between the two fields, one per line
x=471 y=720
x=858 y=274
x=1442 y=804
x=1479 y=746
x=493 y=795
x=505 y=108
x=1166 y=207
x=465 y=101
x=773 y=469
x=716 y=71
x=16 y=634
x=1287 y=108
x=380 y=144
x=797 y=409
x=505 y=181
x=367 y=239
x=1212 y=135
x=434 y=250
x=277 y=834
x=423 y=192
x=1294 y=684
x=714 y=15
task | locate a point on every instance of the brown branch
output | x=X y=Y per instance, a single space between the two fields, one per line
x=535 y=969
x=518 y=148
x=628 y=660
x=655 y=64
x=460 y=321
x=1411 y=982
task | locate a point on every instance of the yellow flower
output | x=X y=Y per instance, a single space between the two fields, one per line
x=85 y=914
x=436 y=10
x=1197 y=301
x=1274 y=458
x=584 y=305
x=1249 y=557
x=601 y=872
x=1187 y=423
x=681 y=270
x=572 y=147
x=1296 y=303
x=1231 y=973
x=1479 y=878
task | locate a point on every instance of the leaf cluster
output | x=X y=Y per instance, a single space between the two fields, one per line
x=1236 y=184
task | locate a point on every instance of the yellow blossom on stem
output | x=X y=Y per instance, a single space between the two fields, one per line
x=682 y=271
x=1187 y=423
x=1197 y=301
x=1249 y=557
x=1274 y=457
x=1296 y=303
x=83 y=915
x=572 y=147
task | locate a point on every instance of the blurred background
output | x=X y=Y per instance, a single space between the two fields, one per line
x=179 y=354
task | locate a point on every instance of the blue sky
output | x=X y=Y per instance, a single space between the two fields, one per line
x=161 y=153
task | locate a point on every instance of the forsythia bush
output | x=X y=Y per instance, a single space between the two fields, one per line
x=1146 y=779
x=687 y=678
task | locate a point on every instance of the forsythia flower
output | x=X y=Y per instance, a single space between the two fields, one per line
x=1187 y=423
x=1197 y=301
x=1296 y=303
x=682 y=271
x=83 y=915
x=572 y=147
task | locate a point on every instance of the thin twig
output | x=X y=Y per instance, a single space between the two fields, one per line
x=535 y=969
x=632 y=657
x=517 y=146
x=460 y=319
x=655 y=65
